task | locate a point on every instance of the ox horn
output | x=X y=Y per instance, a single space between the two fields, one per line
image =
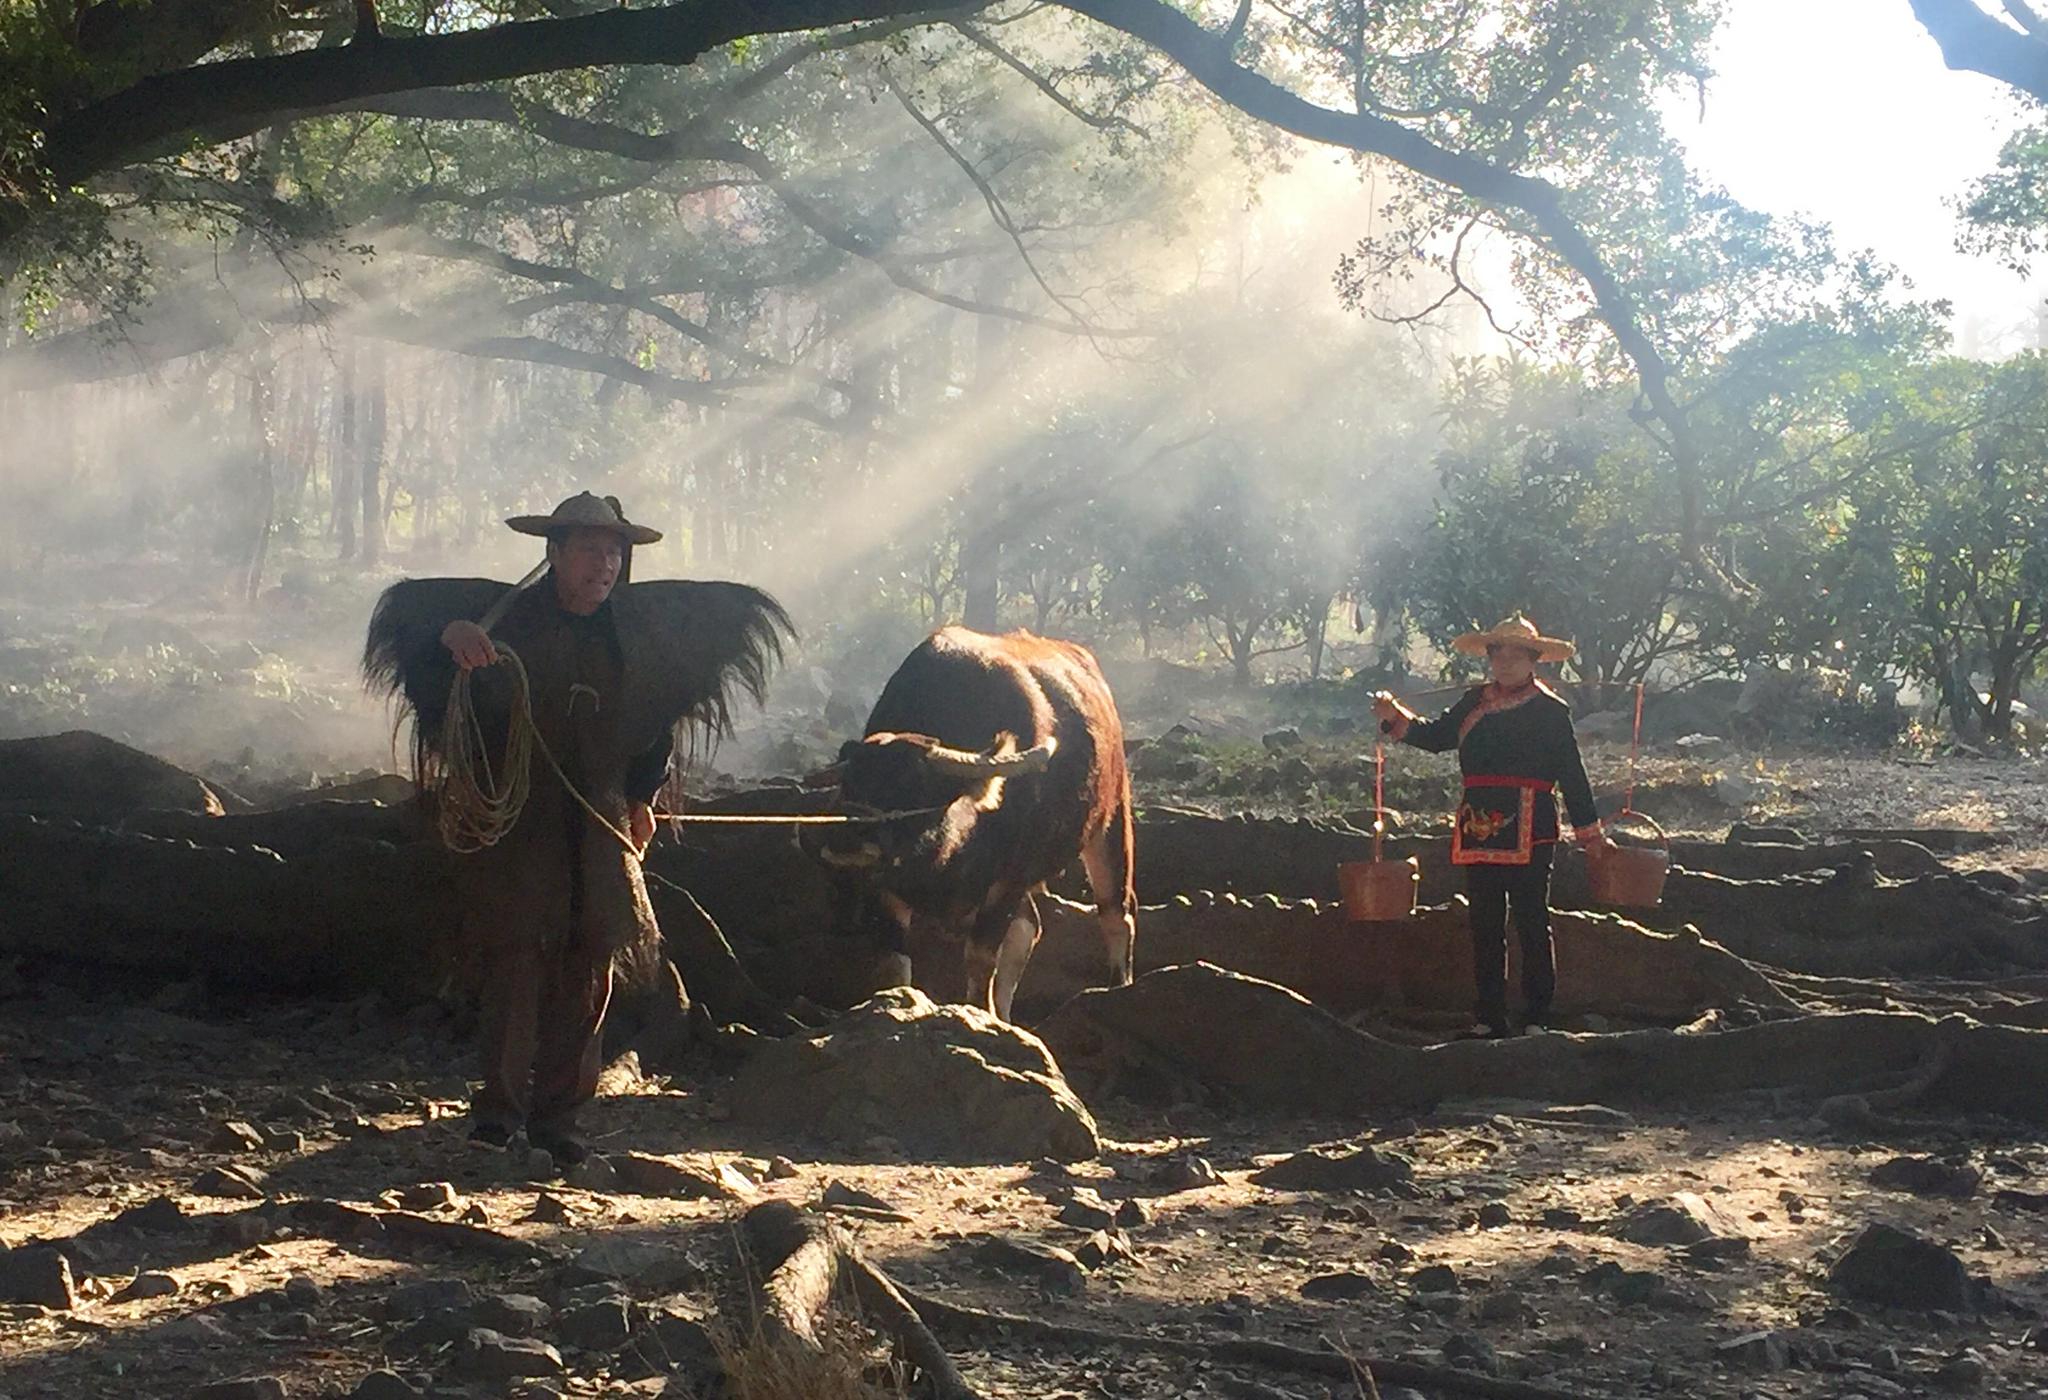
x=992 y=765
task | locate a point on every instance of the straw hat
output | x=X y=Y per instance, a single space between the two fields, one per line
x=1515 y=631
x=585 y=511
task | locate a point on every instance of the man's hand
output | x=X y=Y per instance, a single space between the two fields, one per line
x=469 y=644
x=1595 y=841
x=1385 y=706
x=640 y=825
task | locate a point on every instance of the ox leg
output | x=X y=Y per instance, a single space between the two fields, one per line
x=1107 y=857
x=986 y=938
x=892 y=962
x=1015 y=954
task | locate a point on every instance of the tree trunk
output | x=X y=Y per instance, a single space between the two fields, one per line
x=263 y=480
x=1240 y=639
x=1315 y=633
x=981 y=546
x=371 y=478
x=341 y=464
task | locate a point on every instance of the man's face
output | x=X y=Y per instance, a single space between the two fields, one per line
x=586 y=565
x=1511 y=665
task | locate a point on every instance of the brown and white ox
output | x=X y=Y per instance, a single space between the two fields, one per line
x=1000 y=759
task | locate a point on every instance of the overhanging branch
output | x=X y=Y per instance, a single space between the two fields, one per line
x=1974 y=41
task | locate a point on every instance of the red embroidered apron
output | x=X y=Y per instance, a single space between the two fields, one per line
x=1496 y=820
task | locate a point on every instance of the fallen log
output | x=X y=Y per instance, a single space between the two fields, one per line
x=801 y=1264
x=1270 y=1048
x=1341 y=1365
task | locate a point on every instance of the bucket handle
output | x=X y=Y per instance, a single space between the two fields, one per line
x=1618 y=817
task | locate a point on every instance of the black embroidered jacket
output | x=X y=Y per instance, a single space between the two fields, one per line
x=1514 y=750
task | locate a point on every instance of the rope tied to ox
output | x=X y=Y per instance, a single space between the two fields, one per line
x=479 y=805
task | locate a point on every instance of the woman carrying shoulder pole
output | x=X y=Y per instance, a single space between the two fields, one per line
x=1515 y=748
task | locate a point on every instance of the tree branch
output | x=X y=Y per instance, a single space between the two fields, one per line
x=113 y=130
x=1976 y=42
x=1207 y=59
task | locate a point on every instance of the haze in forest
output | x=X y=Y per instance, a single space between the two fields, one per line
x=915 y=340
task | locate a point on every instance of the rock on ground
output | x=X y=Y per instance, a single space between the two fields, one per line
x=948 y=1081
x=1888 y=1265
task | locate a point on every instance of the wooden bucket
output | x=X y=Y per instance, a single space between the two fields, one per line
x=1379 y=891
x=1632 y=876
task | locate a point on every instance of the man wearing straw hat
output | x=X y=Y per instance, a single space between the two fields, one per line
x=547 y=791
x=1515 y=747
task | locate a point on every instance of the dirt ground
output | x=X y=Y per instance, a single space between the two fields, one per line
x=116 y=1097
x=113 y=1103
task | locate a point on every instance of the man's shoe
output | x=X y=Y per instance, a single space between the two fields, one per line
x=487 y=1133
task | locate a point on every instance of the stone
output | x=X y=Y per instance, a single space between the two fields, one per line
x=645 y=1174
x=644 y=1264
x=1966 y=1370
x=243 y=1229
x=233 y=1182
x=685 y=1332
x=304 y=1292
x=838 y=1193
x=1687 y=1218
x=416 y=1300
x=37 y=1274
x=1755 y=1351
x=539 y=1165
x=550 y=1209
x=782 y=1169
x=235 y=1136
x=147 y=1285
x=954 y=1081
x=286 y=1140
x=1928 y=1176
x=1103 y=1248
x=247 y=1388
x=604 y=1325
x=1394 y=1252
x=1058 y=1270
x=195 y=1329
x=1085 y=1210
x=1281 y=740
x=1472 y=1353
x=427 y=1195
x=621 y=1076
x=1493 y=1215
x=384 y=1385
x=1184 y=1171
x=1434 y=1278
x=493 y=1356
x=1711 y=1254
x=1504 y=1305
x=1338 y=1168
x=594 y=1173
x=1133 y=1214
x=1342 y=1286
x=514 y=1314
x=1886 y=1264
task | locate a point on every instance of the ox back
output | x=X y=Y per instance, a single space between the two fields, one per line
x=982 y=841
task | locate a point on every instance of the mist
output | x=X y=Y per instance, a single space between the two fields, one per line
x=930 y=392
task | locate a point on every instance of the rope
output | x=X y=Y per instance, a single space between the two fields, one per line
x=1635 y=744
x=477 y=810
x=1379 y=797
x=475 y=815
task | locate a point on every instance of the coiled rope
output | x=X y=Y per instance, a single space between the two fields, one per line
x=478 y=807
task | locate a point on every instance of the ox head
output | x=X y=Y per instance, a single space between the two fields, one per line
x=921 y=796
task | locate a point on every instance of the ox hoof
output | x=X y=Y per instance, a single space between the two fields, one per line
x=892 y=971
